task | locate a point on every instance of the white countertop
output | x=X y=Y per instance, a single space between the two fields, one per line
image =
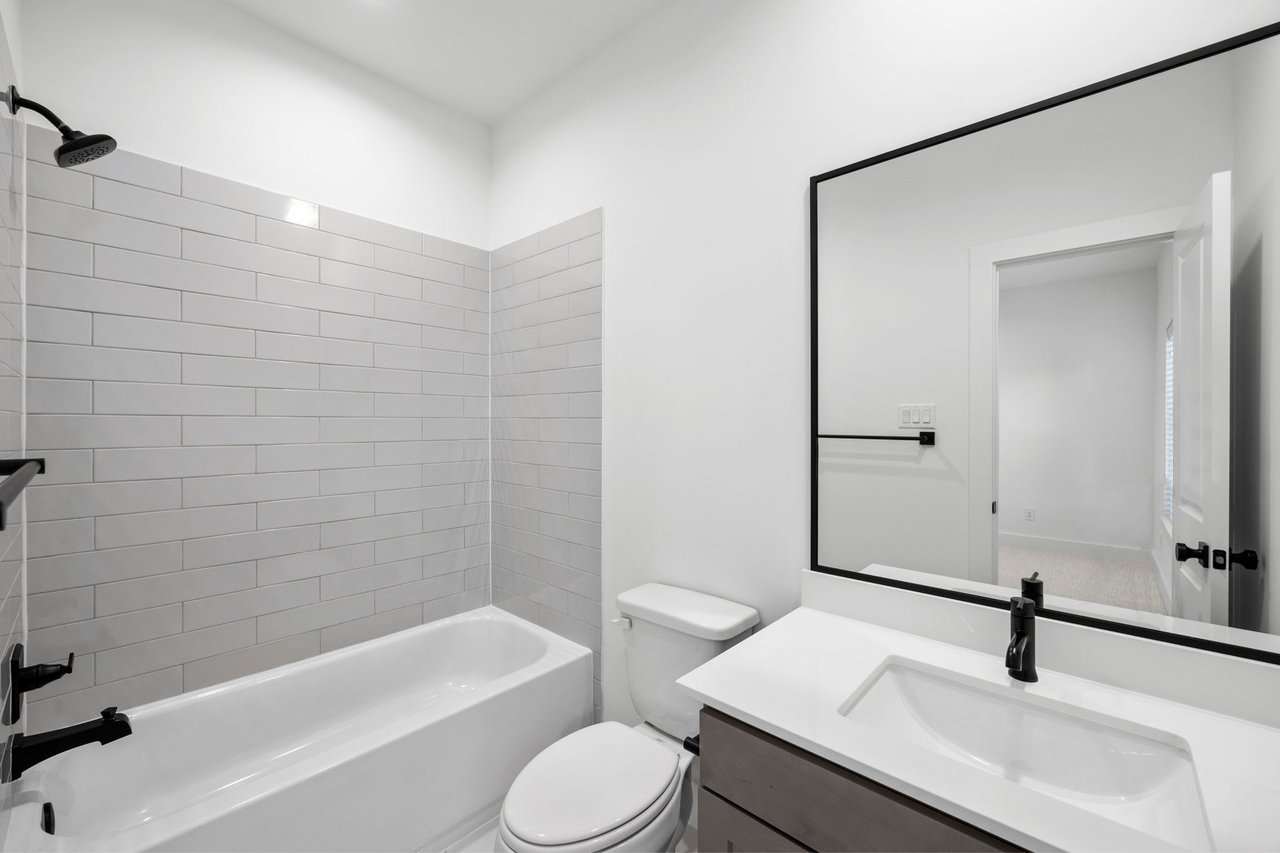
x=792 y=678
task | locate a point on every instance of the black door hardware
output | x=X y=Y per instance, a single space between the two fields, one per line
x=25 y=678
x=1220 y=559
x=1247 y=559
x=1200 y=554
x=20 y=472
x=927 y=437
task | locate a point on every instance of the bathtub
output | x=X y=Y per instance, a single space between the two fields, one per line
x=405 y=742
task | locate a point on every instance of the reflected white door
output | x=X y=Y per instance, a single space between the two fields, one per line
x=1201 y=400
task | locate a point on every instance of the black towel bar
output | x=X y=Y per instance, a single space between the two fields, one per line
x=927 y=437
x=20 y=472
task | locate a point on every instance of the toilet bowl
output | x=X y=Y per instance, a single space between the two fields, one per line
x=611 y=787
x=605 y=787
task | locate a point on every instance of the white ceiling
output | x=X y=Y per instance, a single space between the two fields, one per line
x=480 y=57
x=1076 y=266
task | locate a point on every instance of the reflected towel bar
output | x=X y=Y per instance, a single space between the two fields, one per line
x=927 y=437
x=20 y=472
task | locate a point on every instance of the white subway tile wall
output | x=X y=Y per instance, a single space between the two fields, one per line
x=267 y=426
x=546 y=360
x=12 y=614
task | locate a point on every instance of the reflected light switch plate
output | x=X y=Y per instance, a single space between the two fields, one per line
x=917 y=415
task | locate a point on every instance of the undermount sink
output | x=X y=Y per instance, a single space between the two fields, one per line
x=1137 y=776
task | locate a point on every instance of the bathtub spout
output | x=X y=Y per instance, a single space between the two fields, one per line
x=30 y=750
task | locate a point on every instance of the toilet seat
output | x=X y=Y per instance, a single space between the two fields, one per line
x=645 y=832
x=591 y=790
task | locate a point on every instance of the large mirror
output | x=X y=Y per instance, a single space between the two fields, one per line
x=1048 y=344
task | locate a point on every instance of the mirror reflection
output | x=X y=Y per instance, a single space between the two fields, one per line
x=1043 y=348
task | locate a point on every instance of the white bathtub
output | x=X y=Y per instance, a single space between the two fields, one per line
x=405 y=742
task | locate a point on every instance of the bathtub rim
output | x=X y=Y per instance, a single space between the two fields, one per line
x=488 y=612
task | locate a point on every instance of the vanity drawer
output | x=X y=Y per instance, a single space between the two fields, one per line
x=725 y=828
x=819 y=804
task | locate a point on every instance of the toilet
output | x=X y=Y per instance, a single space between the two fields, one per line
x=611 y=787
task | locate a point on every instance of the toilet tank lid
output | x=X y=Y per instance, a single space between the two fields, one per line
x=695 y=613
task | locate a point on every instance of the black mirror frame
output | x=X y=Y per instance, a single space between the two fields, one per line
x=1201 y=643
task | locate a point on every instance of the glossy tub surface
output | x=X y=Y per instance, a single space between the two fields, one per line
x=404 y=742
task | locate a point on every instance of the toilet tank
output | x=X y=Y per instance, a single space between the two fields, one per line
x=672 y=632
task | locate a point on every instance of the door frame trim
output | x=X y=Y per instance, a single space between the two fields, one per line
x=984 y=323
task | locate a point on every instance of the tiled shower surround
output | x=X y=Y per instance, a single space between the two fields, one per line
x=547 y=428
x=267 y=426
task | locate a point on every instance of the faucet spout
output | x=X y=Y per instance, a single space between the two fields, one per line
x=1020 y=656
x=1017 y=651
x=29 y=750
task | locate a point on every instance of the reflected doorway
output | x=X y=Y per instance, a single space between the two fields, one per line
x=1085 y=423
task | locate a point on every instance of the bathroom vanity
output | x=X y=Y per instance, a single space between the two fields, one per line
x=873 y=718
x=761 y=793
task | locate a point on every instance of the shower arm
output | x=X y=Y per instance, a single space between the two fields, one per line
x=77 y=148
x=17 y=102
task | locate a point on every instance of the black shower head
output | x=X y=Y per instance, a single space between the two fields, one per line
x=77 y=148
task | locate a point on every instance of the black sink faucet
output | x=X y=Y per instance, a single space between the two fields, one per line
x=1020 y=658
x=29 y=750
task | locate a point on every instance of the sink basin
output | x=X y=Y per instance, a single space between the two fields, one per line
x=1137 y=776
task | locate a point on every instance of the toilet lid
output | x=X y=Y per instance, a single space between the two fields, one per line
x=586 y=784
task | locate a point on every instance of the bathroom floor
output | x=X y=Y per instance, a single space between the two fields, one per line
x=1104 y=580
x=481 y=841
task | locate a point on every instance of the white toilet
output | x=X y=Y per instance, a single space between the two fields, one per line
x=609 y=787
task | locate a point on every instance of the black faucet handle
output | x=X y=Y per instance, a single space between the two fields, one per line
x=34 y=677
x=59 y=669
x=1022 y=607
x=1033 y=588
x=109 y=714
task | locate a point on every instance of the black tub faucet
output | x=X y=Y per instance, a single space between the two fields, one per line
x=1020 y=658
x=26 y=751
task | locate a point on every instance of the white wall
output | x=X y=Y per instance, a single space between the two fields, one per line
x=202 y=84
x=1076 y=401
x=696 y=132
x=1255 y=397
x=11 y=16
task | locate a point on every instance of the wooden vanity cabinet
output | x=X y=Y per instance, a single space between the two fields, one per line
x=760 y=793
